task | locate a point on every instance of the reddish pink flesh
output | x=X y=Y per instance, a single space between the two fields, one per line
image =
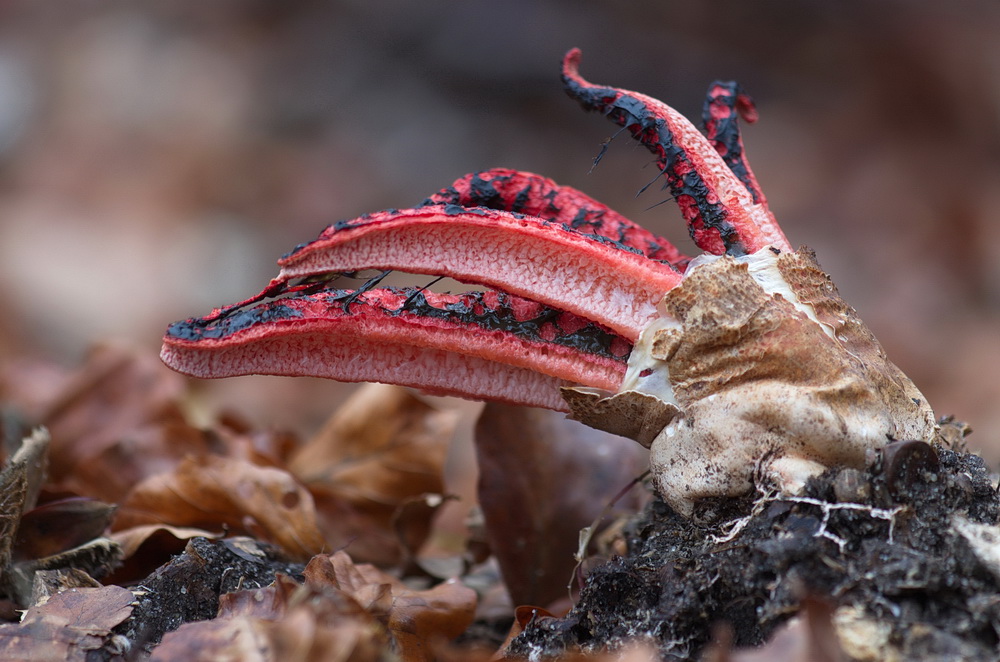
x=523 y=255
x=726 y=104
x=719 y=210
x=528 y=193
x=435 y=347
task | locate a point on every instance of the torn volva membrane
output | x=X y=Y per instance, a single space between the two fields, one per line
x=743 y=360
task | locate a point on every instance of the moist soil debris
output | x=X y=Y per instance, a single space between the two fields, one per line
x=906 y=554
x=188 y=588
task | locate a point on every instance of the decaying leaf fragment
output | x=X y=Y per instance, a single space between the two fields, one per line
x=71 y=625
x=213 y=491
x=413 y=617
x=283 y=622
x=56 y=536
x=531 y=526
x=344 y=611
x=380 y=450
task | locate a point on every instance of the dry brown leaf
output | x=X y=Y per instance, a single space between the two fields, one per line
x=219 y=640
x=269 y=603
x=114 y=394
x=300 y=636
x=148 y=546
x=47 y=583
x=68 y=626
x=382 y=448
x=238 y=438
x=214 y=492
x=415 y=618
x=56 y=526
x=542 y=478
x=283 y=622
x=636 y=651
x=132 y=539
x=149 y=450
x=91 y=609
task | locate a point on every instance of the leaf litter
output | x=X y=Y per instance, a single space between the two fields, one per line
x=134 y=534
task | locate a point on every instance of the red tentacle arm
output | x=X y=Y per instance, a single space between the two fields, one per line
x=586 y=274
x=725 y=105
x=528 y=193
x=483 y=345
x=721 y=214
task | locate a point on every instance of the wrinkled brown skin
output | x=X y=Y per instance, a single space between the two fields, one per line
x=759 y=386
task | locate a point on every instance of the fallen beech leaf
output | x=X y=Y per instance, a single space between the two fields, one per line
x=96 y=558
x=268 y=603
x=448 y=652
x=59 y=525
x=133 y=538
x=214 y=492
x=138 y=454
x=413 y=617
x=50 y=582
x=68 y=626
x=285 y=621
x=381 y=449
x=264 y=447
x=542 y=478
x=91 y=609
x=148 y=546
x=223 y=640
x=637 y=651
x=114 y=394
x=302 y=635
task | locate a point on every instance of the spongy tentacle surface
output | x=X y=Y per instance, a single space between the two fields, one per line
x=720 y=212
x=587 y=275
x=528 y=193
x=480 y=345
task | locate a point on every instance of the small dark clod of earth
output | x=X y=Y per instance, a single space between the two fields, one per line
x=905 y=555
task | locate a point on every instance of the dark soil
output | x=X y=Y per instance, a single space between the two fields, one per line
x=188 y=588
x=906 y=555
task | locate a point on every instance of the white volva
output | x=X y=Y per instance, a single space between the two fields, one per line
x=756 y=365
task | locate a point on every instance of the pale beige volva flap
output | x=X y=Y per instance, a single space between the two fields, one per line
x=631 y=414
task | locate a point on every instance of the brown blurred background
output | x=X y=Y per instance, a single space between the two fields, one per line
x=157 y=157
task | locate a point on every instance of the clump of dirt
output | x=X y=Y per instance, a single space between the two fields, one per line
x=906 y=554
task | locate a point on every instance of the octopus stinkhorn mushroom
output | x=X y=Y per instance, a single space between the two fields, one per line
x=741 y=362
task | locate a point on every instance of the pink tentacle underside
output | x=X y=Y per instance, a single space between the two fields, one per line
x=594 y=277
x=478 y=345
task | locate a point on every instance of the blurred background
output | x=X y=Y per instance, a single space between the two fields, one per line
x=156 y=158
